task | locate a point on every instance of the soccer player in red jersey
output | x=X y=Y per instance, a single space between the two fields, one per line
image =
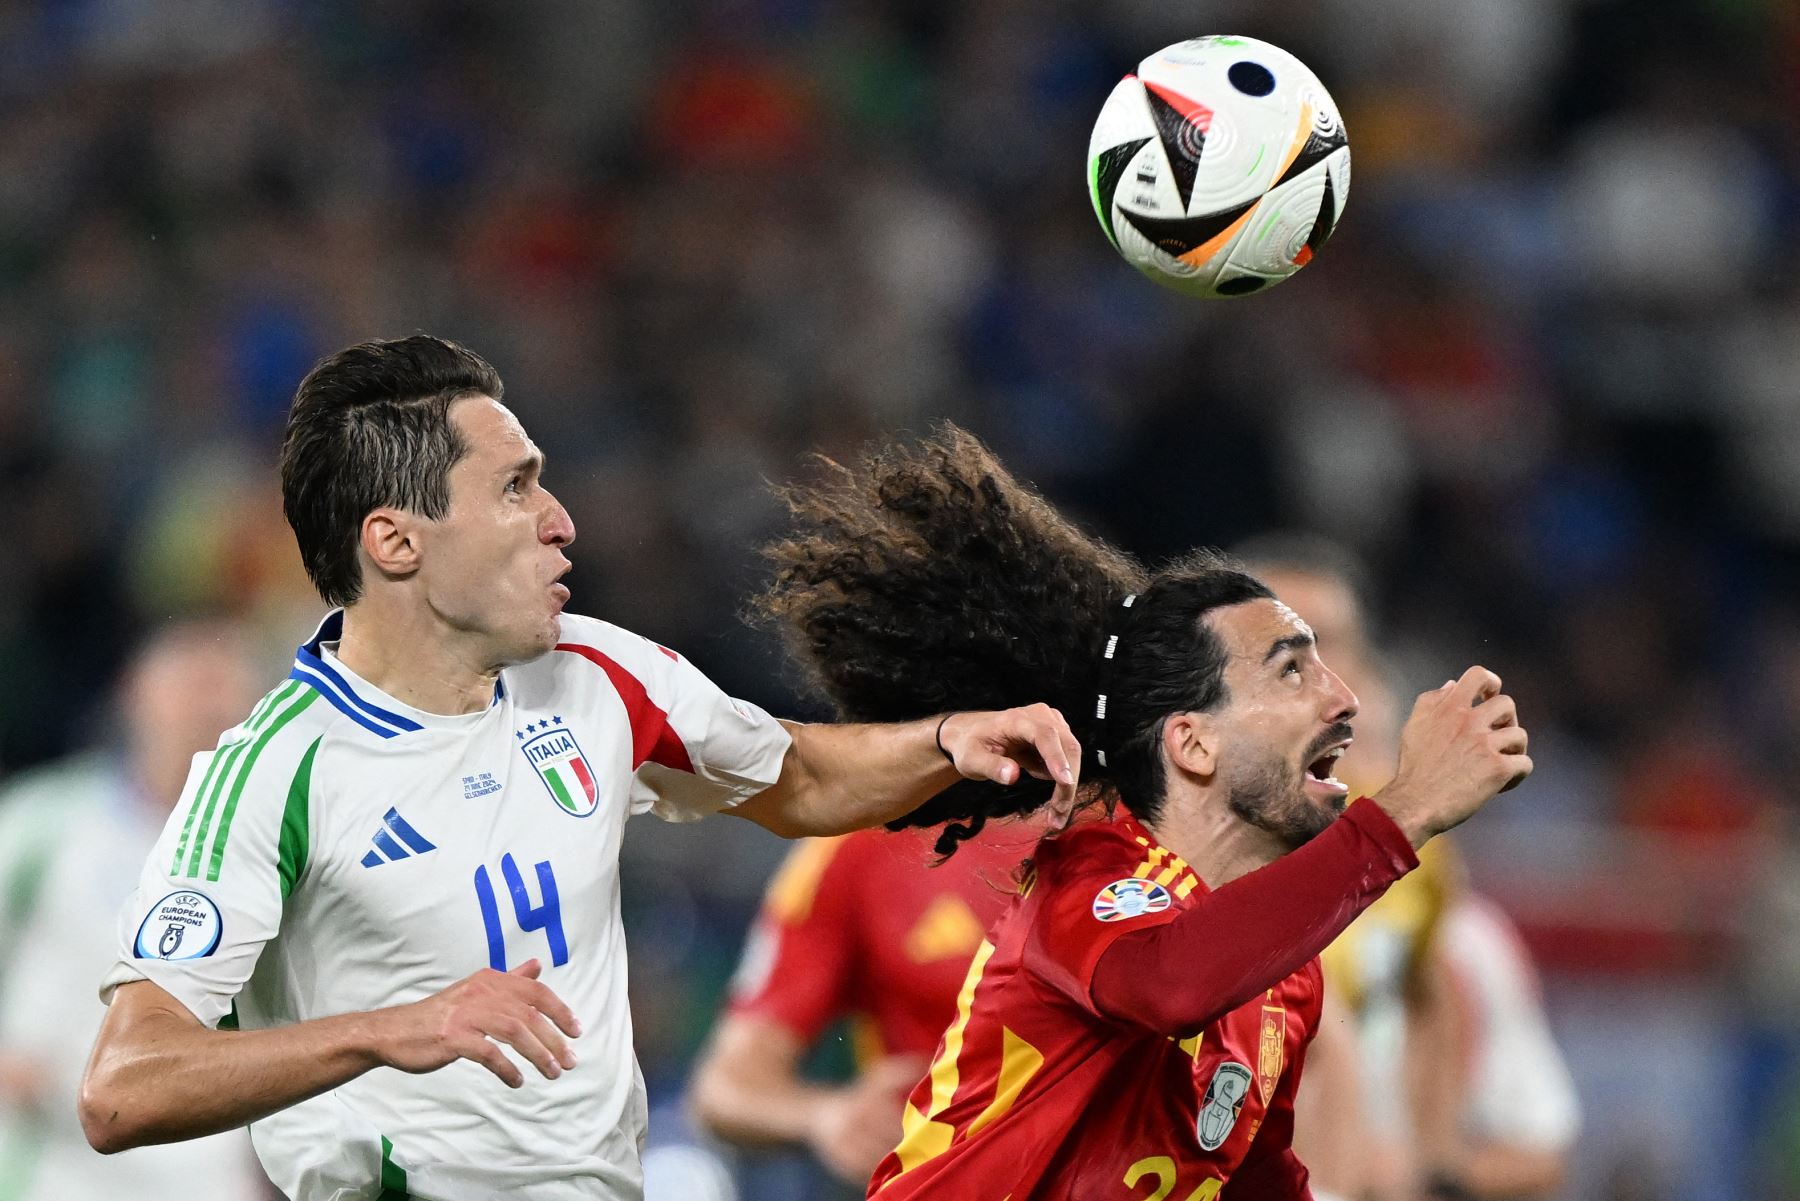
x=1135 y=1026
x=867 y=926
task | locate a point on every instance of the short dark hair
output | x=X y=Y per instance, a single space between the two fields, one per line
x=925 y=578
x=370 y=427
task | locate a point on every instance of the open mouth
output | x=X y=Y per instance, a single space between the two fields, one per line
x=1322 y=770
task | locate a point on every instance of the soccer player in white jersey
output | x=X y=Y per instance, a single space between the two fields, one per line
x=405 y=859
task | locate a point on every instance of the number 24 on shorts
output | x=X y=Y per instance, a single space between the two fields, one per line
x=545 y=915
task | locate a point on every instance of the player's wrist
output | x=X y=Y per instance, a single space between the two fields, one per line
x=1406 y=814
x=375 y=1039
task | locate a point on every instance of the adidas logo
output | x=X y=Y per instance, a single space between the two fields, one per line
x=387 y=850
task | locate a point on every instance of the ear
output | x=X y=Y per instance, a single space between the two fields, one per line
x=390 y=537
x=1191 y=744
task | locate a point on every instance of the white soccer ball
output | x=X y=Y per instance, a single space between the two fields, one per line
x=1220 y=168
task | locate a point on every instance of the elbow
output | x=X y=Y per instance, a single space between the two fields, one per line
x=106 y=1117
x=704 y=1105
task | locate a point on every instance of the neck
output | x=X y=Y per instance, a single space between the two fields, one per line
x=1219 y=845
x=413 y=655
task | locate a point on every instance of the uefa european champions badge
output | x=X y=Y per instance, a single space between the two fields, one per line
x=1128 y=898
x=553 y=753
x=1225 y=1098
x=183 y=925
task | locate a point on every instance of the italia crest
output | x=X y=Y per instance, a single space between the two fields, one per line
x=1128 y=898
x=551 y=749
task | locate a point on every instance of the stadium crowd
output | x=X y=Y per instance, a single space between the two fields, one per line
x=1542 y=382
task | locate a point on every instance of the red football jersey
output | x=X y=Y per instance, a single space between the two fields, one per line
x=1035 y=1096
x=870 y=925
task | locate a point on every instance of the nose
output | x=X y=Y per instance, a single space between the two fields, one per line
x=555 y=527
x=1340 y=704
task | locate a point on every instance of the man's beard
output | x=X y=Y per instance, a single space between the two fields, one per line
x=1268 y=797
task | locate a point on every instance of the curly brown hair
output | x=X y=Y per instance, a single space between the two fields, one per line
x=925 y=579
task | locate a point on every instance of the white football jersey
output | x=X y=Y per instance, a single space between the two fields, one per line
x=342 y=851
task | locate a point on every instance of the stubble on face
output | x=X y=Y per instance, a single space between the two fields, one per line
x=1266 y=795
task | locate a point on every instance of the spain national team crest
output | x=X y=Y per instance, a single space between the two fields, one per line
x=553 y=753
x=1128 y=898
x=1272 y=1050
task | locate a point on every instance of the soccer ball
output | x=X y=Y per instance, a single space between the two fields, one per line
x=1220 y=168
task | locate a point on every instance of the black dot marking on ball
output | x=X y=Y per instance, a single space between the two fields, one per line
x=1252 y=79
x=1243 y=285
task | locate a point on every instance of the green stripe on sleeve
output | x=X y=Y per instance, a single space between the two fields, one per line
x=393 y=1176
x=237 y=789
x=296 y=829
x=187 y=827
x=212 y=767
x=228 y=764
x=218 y=785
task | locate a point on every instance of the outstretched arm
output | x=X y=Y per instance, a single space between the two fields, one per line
x=838 y=778
x=160 y=1075
x=748 y=1089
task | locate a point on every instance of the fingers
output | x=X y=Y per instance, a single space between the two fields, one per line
x=516 y=1010
x=553 y=1041
x=551 y=1006
x=520 y=1034
x=1476 y=685
x=1509 y=740
x=978 y=764
x=1521 y=766
x=1044 y=729
x=489 y=1055
x=1498 y=711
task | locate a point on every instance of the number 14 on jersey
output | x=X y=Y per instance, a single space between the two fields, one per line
x=545 y=915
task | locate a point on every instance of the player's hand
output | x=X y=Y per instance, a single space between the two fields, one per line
x=471 y=1018
x=1462 y=746
x=1003 y=745
x=857 y=1126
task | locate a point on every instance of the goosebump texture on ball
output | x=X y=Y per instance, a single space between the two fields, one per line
x=1219 y=168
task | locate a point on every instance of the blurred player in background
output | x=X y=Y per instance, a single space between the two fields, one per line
x=406 y=856
x=1456 y=1087
x=1139 y=1017
x=869 y=927
x=72 y=837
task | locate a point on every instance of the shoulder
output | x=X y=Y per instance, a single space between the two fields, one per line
x=589 y=636
x=590 y=653
x=1088 y=850
x=277 y=740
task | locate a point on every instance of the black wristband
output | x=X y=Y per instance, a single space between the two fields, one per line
x=939 y=737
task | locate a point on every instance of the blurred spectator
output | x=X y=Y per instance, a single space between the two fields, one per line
x=72 y=836
x=1460 y=1093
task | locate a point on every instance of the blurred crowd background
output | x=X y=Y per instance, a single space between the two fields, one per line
x=1544 y=381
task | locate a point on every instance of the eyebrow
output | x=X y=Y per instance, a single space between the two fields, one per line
x=533 y=460
x=1293 y=642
